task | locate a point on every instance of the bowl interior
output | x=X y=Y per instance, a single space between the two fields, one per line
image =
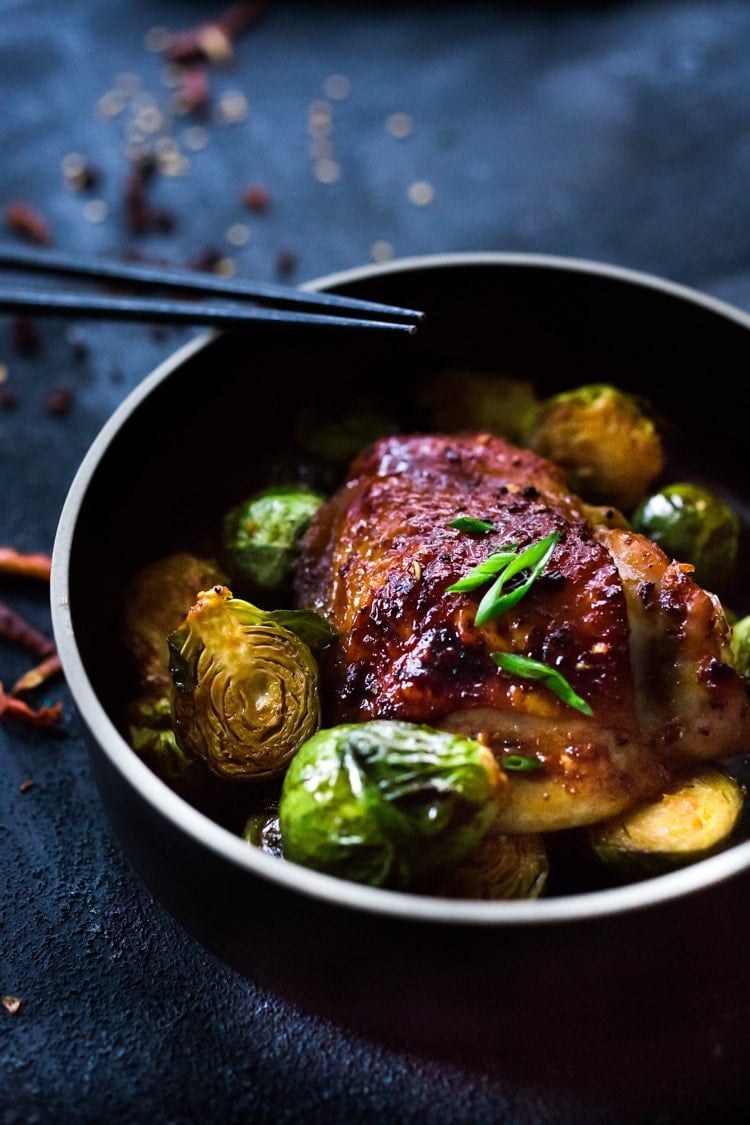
x=219 y=424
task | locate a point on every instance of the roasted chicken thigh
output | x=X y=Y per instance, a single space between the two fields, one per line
x=628 y=629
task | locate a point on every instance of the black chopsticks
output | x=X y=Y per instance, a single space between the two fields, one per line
x=266 y=301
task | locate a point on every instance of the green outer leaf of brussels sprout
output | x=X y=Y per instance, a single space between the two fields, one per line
x=385 y=802
x=261 y=535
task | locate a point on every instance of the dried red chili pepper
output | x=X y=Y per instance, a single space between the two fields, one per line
x=15 y=628
x=38 y=675
x=24 y=220
x=17 y=709
x=30 y=565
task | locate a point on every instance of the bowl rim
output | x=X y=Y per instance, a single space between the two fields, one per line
x=224 y=844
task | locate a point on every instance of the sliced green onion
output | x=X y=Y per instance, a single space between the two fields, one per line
x=468 y=523
x=535 y=670
x=534 y=559
x=520 y=763
x=482 y=573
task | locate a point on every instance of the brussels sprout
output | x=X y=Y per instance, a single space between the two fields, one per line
x=334 y=432
x=245 y=687
x=263 y=831
x=388 y=803
x=477 y=400
x=603 y=438
x=693 y=819
x=693 y=524
x=500 y=867
x=260 y=536
x=151 y=735
x=156 y=601
x=741 y=646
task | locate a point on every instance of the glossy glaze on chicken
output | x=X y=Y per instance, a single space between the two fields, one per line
x=629 y=630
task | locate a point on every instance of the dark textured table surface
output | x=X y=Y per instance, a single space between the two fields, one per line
x=618 y=132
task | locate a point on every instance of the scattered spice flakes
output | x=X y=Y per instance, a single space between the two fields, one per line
x=256 y=198
x=337 y=87
x=238 y=234
x=286 y=263
x=25 y=786
x=421 y=193
x=213 y=40
x=79 y=174
x=193 y=92
x=95 y=211
x=381 y=251
x=26 y=221
x=206 y=260
x=233 y=107
x=33 y=564
x=24 y=335
x=59 y=400
x=399 y=125
x=10 y=1003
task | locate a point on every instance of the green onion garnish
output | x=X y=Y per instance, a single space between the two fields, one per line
x=482 y=573
x=535 y=670
x=468 y=523
x=534 y=559
x=520 y=763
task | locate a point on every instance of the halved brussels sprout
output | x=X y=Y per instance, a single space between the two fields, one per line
x=500 y=867
x=603 y=438
x=245 y=687
x=693 y=524
x=388 y=803
x=260 y=536
x=693 y=819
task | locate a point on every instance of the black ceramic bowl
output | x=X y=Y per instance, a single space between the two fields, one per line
x=658 y=962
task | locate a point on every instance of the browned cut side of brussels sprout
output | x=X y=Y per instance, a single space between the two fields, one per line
x=245 y=688
x=603 y=438
x=500 y=867
x=695 y=818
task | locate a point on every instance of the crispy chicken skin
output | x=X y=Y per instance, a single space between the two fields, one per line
x=630 y=630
